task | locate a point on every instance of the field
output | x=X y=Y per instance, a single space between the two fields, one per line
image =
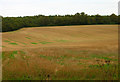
x=86 y=52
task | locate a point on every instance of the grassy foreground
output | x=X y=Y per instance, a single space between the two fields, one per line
x=60 y=64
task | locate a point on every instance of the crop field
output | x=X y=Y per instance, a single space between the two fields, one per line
x=86 y=52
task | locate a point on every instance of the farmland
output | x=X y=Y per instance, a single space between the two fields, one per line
x=86 y=52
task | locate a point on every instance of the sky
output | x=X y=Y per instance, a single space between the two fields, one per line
x=14 y=8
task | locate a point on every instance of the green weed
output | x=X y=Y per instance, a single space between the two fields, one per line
x=3 y=46
x=6 y=41
x=44 y=42
x=13 y=43
x=13 y=53
x=46 y=57
x=22 y=52
x=27 y=37
x=33 y=43
x=60 y=62
x=100 y=57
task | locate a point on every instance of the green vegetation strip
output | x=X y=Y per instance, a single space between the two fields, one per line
x=27 y=37
x=44 y=42
x=6 y=41
x=13 y=43
x=17 y=42
x=33 y=43
x=2 y=46
x=62 y=40
x=102 y=57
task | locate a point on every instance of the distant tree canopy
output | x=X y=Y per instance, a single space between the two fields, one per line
x=14 y=23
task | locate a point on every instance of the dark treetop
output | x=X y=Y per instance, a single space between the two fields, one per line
x=14 y=23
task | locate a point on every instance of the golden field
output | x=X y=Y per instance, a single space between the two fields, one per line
x=86 y=52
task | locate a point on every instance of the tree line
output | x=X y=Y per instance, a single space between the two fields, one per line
x=14 y=23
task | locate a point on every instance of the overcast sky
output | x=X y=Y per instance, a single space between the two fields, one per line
x=53 y=7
